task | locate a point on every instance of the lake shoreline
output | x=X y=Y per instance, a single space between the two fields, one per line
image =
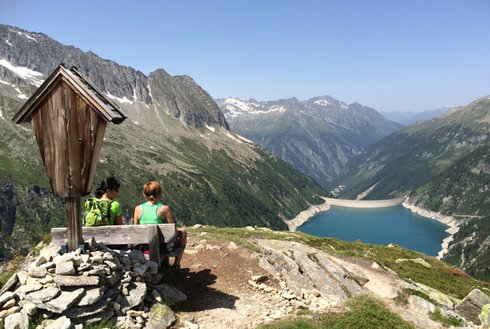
x=307 y=214
x=448 y=220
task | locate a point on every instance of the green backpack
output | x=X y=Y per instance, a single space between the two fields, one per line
x=97 y=212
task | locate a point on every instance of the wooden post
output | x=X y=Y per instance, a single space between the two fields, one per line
x=154 y=243
x=69 y=117
x=74 y=215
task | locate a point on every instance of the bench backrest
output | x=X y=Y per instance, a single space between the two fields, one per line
x=117 y=234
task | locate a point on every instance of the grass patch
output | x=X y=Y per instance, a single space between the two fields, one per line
x=104 y=324
x=448 y=321
x=402 y=297
x=361 y=312
x=4 y=277
x=441 y=276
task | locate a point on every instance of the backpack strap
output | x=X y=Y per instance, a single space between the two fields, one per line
x=87 y=209
x=107 y=218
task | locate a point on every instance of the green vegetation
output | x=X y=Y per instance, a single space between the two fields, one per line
x=360 y=312
x=104 y=324
x=5 y=276
x=448 y=321
x=206 y=180
x=463 y=191
x=444 y=165
x=411 y=157
x=402 y=298
x=441 y=276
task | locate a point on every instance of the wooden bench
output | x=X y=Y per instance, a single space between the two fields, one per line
x=155 y=236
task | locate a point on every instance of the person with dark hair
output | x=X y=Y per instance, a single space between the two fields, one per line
x=155 y=212
x=103 y=209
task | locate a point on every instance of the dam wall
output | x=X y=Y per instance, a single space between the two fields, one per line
x=365 y=203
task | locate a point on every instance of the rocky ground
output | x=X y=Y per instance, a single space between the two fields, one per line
x=231 y=287
x=216 y=281
x=225 y=286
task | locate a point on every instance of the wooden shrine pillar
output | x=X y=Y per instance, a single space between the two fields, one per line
x=69 y=117
x=74 y=215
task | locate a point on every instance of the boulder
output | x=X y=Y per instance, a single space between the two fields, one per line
x=485 y=316
x=17 y=321
x=63 y=302
x=89 y=310
x=44 y=295
x=60 y=323
x=76 y=281
x=160 y=317
x=135 y=296
x=171 y=293
x=421 y=305
x=91 y=296
x=6 y=296
x=11 y=283
x=27 y=288
x=37 y=272
x=471 y=306
x=29 y=308
x=40 y=260
x=65 y=268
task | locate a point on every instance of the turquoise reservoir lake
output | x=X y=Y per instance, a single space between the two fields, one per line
x=379 y=226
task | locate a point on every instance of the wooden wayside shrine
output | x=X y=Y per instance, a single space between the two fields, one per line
x=69 y=117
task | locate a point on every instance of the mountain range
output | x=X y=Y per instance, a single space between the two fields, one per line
x=442 y=165
x=174 y=133
x=317 y=136
x=177 y=134
x=408 y=118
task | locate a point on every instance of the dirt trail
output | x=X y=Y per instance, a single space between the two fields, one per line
x=219 y=295
x=217 y=278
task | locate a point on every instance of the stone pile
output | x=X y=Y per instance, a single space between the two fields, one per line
x=68 y=290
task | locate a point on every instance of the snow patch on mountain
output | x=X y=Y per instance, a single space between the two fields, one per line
x=245 y=139
x=322 y=102
x=1 y=115
x=27 y=36
x=235 y=107
x=120 y=100
x=8 y=42
x=25 y=73
x=210 y=128
x=233 y=137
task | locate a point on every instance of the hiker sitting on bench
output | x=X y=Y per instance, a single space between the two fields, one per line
x=155 y=212
x=103 y=209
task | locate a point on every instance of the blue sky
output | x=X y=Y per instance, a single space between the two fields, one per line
x=392 y=55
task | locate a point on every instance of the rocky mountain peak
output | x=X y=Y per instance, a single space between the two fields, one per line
x=179 y=96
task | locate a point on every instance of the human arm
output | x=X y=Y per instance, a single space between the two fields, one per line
x=165 y=213
x=137 y=214
x=117 y=211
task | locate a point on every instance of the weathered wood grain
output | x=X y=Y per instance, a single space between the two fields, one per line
x=74 y=214
x=117 y=234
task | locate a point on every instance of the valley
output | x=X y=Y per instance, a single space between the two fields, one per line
x=210 y=159
x=329 y=161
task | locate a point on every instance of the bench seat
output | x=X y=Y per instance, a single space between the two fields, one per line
x=154 y=235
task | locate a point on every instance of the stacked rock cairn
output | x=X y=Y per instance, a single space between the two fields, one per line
x=73 y=289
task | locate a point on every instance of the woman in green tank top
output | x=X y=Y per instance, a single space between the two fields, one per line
x=155 y=212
